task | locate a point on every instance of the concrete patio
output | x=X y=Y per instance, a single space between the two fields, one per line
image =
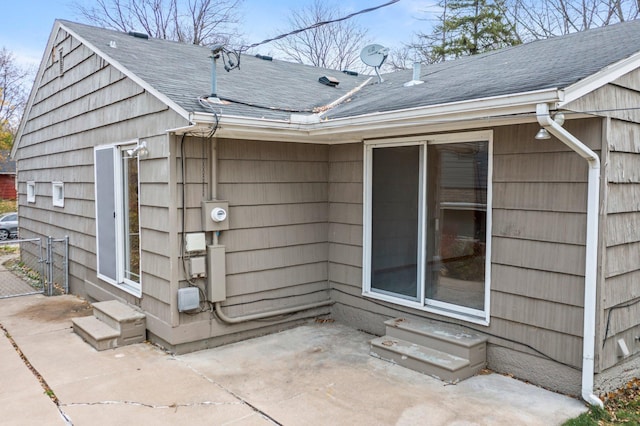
x=317 y=374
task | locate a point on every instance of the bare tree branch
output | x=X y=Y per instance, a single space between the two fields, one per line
x=201 y=22
x=537 y=19
x=336 y=45
x=13 y=90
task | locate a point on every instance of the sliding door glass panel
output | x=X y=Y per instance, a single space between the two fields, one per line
x=395 y=221
x=131 y=214
x=456 y=223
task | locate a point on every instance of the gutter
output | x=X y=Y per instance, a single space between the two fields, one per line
x=318 y=129
x=591 y=252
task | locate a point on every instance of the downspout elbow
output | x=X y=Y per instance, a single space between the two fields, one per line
x=544 y=119
x=590 y=398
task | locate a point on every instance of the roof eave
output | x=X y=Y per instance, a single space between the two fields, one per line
x=485 y=112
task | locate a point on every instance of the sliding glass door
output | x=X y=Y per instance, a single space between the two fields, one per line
x=457 y=218
x=427 y=224
x=395 y=221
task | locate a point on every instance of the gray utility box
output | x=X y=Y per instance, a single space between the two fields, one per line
x=217 y=285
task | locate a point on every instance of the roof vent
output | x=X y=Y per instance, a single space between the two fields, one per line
x=353 y=73
x=139 y=35
x=264 y=58
x=329 y=81
x=416 y=76
x=113 y=44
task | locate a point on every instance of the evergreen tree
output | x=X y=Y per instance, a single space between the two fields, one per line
x=468 y=27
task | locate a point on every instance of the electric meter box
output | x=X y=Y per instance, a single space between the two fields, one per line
x=215 y=215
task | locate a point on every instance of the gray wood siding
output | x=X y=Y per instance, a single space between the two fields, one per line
x=621 y=214
x=276 y=247
x=621 y=288
x=345 y=218
x=538 y=242
x=93 y=104
x=539 y=224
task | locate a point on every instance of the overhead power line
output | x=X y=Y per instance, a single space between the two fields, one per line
x=318 y=24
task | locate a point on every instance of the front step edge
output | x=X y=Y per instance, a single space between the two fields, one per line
x=444 y=366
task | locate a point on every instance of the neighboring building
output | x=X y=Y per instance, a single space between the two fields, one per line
x=365 y=201
x=7 y=176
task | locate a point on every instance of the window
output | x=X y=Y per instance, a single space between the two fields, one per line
x=427 y=224
x=117 y=212
x=57 y=194
x=31 y=192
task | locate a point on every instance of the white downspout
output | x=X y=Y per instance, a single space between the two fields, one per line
x=591 y=255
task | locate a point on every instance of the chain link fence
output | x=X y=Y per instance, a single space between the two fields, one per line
x=33 y=266
x=57 y=262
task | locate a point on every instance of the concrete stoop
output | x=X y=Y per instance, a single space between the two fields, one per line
x=446 y=352
x=113 y=324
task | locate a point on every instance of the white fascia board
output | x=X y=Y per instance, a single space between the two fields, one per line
x=124 y=70
x=601 y=78
x=484 y=112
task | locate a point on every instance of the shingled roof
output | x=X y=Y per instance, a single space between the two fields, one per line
x=182 y=72
x=7 y=165
x=276 y=89
x=557 y=62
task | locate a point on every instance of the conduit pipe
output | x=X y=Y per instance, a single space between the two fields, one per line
x=263 y=315
x=591 y=252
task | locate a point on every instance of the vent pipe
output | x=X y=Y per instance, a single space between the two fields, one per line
x=416 y=76
x=215 y=54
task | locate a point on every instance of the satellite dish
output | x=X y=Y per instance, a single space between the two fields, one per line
x=374 y=55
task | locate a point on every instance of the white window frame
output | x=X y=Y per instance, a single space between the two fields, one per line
x=31 y=191
x=119 y=280
x=57 y=194
x=432 y=306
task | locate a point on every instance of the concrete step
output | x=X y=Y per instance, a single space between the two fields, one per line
x=444 y=366
x=441 y=337
x=130 y=323
x=96 y=333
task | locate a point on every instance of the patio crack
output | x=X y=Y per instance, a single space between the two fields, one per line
x=147 y=405
x=232 y=393
x=47 y=389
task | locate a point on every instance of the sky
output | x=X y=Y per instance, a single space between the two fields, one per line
x=26 y=24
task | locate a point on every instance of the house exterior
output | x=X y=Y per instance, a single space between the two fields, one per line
x=286 y=199
x=7 y=176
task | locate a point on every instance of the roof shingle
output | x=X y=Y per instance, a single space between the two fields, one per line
x=275 y=89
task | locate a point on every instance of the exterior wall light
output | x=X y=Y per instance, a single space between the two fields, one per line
x=543 y=133
x=139 y=151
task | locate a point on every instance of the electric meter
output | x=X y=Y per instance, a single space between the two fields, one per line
x=218 y=214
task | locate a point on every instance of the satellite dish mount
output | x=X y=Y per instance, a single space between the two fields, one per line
x=374 y=55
